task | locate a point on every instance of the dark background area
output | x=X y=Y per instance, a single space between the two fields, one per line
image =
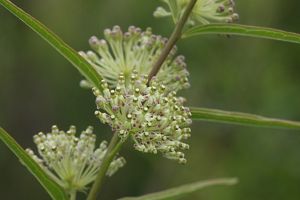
x=39 y=88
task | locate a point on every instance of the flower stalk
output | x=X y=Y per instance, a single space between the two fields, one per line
x=176 y=35
x=73 y=195
x=113 y=148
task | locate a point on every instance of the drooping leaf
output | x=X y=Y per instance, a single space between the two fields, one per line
x=180 y=191
x=56 y=42
x=221 y=116
x=243 y=30
x=53 y=189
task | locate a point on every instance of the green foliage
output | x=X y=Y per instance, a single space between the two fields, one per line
x=233 y=29
x=198 y=113
x=53 y=189
x=222 y=116
x=243 y=30
x=180 y=191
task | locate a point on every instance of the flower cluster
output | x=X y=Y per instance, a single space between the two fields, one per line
x=156 y=119
x=135 y=50
x=204 y=12
x=73 y=162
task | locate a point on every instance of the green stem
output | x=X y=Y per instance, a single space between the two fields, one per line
x=73 y=195
x=113 y=148
x=176 y=35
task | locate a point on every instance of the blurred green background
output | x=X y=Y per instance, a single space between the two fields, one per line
x=39 y=88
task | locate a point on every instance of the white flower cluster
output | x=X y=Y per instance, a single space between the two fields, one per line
x=73 y=162
x=135 y=50
x=156 y=119
x=204 y=12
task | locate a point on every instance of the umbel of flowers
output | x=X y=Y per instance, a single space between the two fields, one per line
x=121 y=53
x=154 y=118
x=204 y=12
x=73 y=162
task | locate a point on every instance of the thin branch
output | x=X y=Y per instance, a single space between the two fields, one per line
x=176 y=35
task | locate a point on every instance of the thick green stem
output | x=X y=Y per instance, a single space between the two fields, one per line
x=176 y=35
x=113 y=148
x=73 y=195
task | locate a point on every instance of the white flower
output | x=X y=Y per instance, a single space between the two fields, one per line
x=204 y=12
x=135 y=50
x=155 y=119
x=73 y=162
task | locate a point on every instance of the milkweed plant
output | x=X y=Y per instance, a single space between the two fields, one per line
x=134 y=75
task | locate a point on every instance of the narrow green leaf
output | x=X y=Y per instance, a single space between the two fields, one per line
x=243 y=30
x=65 y=50
x=180 y=191
x=53 y=189
x=221 y=116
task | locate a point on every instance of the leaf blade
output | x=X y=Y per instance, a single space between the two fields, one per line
x=243 y=30
x=53 y=189
x=221 y=116
x=56 y=42
x=183 y=190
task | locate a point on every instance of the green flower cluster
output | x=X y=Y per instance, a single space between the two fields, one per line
x=73 y=162
x=204 y=12
x=121 y=53
x=154 y=118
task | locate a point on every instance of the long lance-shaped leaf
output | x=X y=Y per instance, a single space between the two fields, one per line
x=243 y=30
x=53 y=189
x=180 y=191
x=65 y=50
x=221 y=116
